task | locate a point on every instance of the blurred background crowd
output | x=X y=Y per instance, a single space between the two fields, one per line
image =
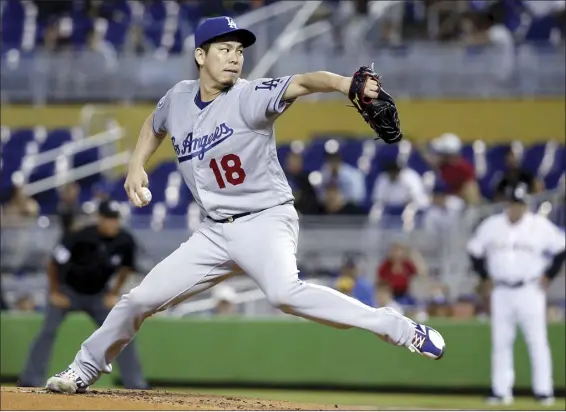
x=386 y=224
x=138 y=27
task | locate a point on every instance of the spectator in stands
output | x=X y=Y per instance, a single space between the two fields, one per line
x=350 y=179
x=25 y=302
x=18 y=217
x=538 y=8
x=46 y=10
x=398 y=269
x=334 y=203
x=444 y=211
x=488 y=29
x=438 y=305
x=455 y=171
x=104 y=50
x=464 y=307
x=19 y=207
x=396 y=187
x=51 y=39
x=136 y=42
x=225 y=300
x=101 y=191
x=69 y=208
x=352 y=284
x=306 y=201
x=515 y=174
x=384 y=297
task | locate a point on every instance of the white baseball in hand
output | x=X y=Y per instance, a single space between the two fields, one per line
x=146 y=195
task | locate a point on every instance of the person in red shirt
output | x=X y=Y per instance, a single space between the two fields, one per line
x=397 y=270
x=456 y=172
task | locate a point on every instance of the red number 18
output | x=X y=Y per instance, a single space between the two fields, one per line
x=232 y=167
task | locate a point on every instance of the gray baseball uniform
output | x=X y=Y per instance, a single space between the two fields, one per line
x=227 y=155
x=226 y=152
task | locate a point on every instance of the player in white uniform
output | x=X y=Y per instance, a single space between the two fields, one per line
x=508 y=250
x=222 y=130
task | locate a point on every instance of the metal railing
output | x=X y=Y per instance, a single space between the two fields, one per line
x=323 y=242
x=427 y=70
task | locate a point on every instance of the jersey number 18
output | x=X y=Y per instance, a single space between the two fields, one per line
x=232 y=167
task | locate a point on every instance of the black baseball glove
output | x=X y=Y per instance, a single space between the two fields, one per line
x=380 y=113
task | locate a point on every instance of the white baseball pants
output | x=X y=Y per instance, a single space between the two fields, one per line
x=263 y=245
x=524 y=307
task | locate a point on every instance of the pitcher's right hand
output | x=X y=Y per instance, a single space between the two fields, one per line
x=135 y=180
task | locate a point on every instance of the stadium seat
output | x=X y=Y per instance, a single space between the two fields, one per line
x=282 y=152
x=185 y=198
x=351 y=151
x=314 y=155
x=154 y=17
x=384 y=154
x=117 y=191
x=417 y=162
x=55 y=139
x=119 y=16
x=533 y=157
x=13 y=15
x=468 y=153
x=558 y=169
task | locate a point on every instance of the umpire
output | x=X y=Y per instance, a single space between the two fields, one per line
x=79 y=273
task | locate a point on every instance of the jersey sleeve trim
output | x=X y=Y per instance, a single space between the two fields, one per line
x=277 y=106
x=156 y=133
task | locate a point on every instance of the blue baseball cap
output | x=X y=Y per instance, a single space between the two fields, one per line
x=214 y=27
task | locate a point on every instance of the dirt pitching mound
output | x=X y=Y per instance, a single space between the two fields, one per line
x=117 y=399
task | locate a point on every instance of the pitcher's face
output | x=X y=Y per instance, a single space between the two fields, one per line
x=223 y=61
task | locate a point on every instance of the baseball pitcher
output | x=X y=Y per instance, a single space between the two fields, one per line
x=222 y=132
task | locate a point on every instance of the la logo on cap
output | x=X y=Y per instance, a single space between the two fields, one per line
x=231 y=23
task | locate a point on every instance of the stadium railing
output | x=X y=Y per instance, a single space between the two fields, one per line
x=323 y=243
x=426 y=70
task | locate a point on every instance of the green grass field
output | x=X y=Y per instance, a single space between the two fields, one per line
x=382 y=401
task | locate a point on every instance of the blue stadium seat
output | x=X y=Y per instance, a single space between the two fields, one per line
x=154 y=17
x=18 y=140
x=351 y=151
x=417 y=162
x=495 y=157
x=47 y=201
x=84 y=158
x=12 y=24
x=495 y=162
x=282 y=152
x=14 y=150
x=158 y=180
x=314 y=155
x=190 y=13
x=42 y=171
x=185 y=198
x=468 y=153
x=117 y=191
x=119 y=22
x=82 y=24
x=56 y=138
x=533 y=157
x=540 y=29
x=558 y=169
